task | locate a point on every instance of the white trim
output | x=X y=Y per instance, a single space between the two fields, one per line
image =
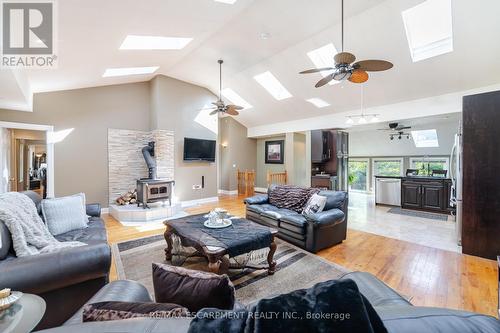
x=105 y=210
x=260 y=189
x=368 y=172
x=190 y=203
x=50 y=150
x=225 y=192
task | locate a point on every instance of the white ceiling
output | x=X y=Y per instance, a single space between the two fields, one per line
x=91 y=31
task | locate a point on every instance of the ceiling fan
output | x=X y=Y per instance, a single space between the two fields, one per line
x=220 y=106
x=345 y=67
x=395 y=127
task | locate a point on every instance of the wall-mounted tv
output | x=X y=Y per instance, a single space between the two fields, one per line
x=199 y=150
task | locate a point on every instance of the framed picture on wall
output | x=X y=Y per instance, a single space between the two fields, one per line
x=275 y=152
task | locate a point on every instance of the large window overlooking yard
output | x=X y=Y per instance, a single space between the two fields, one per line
x=358 y=174
x=425 y=165
x=388 y=167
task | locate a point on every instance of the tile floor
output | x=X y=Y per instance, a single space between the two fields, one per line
x=365 y=216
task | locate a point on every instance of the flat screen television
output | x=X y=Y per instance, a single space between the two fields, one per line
x=199 y=150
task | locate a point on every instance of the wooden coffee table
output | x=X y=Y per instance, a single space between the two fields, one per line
x=192 y=233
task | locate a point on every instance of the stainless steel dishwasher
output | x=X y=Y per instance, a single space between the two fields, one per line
x=388 y=191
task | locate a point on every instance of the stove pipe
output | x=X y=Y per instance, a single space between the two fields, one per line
x=149 y=152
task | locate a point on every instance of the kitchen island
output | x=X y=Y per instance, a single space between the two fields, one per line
x=424 y=193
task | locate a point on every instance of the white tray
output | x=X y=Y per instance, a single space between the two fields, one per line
x=226 y=223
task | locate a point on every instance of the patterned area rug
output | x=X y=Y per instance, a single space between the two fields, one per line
x=296 y=268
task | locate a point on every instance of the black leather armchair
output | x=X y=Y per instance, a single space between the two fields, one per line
x=313 y=232
x=64 y=279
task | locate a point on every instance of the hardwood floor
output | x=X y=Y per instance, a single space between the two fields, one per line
x=431 y=277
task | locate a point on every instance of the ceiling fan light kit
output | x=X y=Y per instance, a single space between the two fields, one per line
x=345 y=66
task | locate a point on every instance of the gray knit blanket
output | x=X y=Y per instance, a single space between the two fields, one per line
x=30 y=235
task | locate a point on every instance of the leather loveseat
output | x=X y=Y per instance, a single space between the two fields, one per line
x=397 y=314
x=312 y=233
x=64 y=279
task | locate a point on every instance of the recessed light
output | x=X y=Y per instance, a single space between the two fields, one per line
x=272 y=85
x=231 y=95
x=323 y=57
x=318 y=102
x=229 y=2
x=110 y=72
x=133 y=42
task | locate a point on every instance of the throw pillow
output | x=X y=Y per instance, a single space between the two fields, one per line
x=104 y=311
x=65 y=214
x=316 y=204
x=193 y=289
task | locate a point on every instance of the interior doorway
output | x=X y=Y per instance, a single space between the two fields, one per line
x=26 y=158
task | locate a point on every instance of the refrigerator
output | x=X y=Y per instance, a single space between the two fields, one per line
x=457 y=182
x=342 y=150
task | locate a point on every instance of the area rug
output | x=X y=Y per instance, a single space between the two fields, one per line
x=296 y=268
x=416 y=213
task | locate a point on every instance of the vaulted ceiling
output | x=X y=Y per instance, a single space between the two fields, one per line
x=91 y=31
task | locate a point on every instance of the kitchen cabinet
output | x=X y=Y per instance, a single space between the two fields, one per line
x=321 y=182
x=321 y=146
x=426 y=194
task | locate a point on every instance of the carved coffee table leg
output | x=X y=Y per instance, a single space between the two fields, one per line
x=214 y=263
x=168 y=238
x=270 y=257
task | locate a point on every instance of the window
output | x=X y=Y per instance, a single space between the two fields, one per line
x=272 y=85
x=358 y=174
x=425 y=138
x=387 y=166
x=429 y=29
x=322 y=57
x=232 y=96
x=425 y=165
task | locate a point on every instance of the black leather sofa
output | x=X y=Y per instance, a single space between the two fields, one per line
x=314 y=233
x=65 y=279
x=398 y=315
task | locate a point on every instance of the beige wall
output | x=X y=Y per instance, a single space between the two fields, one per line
x=240 y=152
x=81 y=163
x=262 y=167
x=175 y=106
x=299 y=160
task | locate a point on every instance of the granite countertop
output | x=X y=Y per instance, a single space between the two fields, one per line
x=414 y=177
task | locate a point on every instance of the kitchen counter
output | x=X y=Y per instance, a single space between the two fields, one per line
x=414 y=177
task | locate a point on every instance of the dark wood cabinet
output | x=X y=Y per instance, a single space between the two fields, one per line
x=321 y=182
x=321 y=146
x=410 y=195
x=425 y=194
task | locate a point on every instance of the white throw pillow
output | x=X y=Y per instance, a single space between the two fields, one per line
x=65 y=214
x=315 y=204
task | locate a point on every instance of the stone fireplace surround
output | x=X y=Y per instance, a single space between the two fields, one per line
x=126 y=164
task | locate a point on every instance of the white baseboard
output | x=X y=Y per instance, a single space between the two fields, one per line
x=190 y=203
x=261 y=189
x=105 y=210
x=225 y=192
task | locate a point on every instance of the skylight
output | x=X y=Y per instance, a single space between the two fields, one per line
x=229 y=2
x=318 y=102
x=110 y=72
x=429 y=29
x=323 y=57
x=231 y=95
x=133 y=42
x=272 y=85
x=425 y=138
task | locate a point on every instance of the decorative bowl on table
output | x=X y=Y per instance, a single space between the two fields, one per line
x=7 y=298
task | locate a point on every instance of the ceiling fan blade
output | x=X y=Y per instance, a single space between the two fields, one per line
x=324 y=80
x=403 y=128
x=232 y=111
x=317 y=70
x=358 y=76
x=373 y=65
x=344 y=58
x=214 y=112
x=236 y=107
